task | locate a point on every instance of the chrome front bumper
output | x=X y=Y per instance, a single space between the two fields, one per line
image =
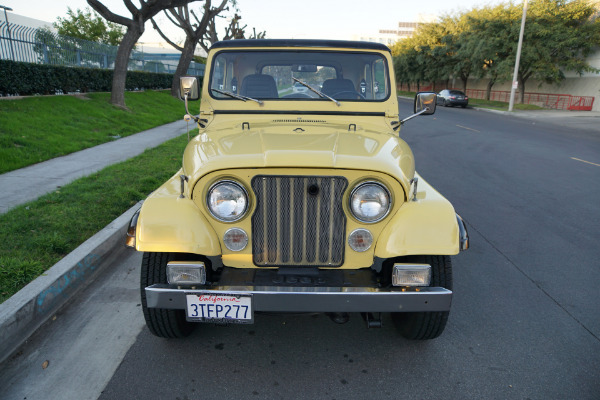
x=322 y=291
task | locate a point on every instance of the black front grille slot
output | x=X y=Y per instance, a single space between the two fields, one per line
x=299 y=220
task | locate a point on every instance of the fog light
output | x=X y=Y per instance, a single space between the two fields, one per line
x=186 y=273
x=411 y=275
x=360 y=240
x=235 y=239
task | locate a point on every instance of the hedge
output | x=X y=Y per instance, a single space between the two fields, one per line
x=19 y=78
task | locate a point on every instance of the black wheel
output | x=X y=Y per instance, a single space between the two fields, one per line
x=427 y=325
x=446 y=104
x=465 y=106
x=161 y=322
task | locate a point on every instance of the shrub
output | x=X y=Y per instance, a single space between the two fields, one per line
x=19 y=78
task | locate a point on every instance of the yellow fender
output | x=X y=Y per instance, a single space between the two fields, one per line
x=425 y=225
x=169 y=223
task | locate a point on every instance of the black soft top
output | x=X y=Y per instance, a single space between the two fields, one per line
x=299 y=43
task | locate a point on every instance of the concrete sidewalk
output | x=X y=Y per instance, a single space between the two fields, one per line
x=27 y=184
x=588 y=120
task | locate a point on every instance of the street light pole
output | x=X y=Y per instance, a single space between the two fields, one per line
x=515 y=81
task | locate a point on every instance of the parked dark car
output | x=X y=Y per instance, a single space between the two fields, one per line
x=449 y=97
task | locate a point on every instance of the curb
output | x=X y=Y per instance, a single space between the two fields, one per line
x=23 y=313
x=501 y=112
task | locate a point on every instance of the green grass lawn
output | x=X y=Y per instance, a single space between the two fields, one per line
x=36 y=129
x=35 y=236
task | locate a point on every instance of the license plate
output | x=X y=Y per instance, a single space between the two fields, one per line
x=220 y=308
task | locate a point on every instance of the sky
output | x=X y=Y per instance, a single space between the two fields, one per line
x=311 y=19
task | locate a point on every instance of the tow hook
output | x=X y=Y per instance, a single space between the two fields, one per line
x=372 y=320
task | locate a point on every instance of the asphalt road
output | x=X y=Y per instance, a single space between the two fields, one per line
x=525 y=319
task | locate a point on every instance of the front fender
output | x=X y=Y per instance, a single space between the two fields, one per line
x=427 y=225
x=169 y=223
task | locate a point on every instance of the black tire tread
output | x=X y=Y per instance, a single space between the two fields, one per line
x=427 y=325
x=163 y=323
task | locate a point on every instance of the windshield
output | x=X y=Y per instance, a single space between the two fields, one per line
x=299 y=75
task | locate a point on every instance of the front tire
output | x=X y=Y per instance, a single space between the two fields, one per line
x=163 y=323
x=427 y=325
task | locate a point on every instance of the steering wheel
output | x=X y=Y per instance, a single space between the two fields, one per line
x=348 y=91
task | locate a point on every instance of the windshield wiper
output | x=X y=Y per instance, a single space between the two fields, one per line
x=321 y=94
x=237 y=96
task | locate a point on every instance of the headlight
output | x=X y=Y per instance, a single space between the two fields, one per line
x=227 y=201
x=370 y=202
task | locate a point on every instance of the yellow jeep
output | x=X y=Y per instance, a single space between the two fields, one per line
x=297 y=195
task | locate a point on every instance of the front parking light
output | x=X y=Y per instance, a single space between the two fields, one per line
x=360 y=240
x=235 y=239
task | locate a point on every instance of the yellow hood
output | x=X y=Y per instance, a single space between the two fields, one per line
x=294 y=145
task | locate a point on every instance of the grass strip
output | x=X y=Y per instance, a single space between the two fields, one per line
x=35 y=236
x=39 y=128
x=500 y=105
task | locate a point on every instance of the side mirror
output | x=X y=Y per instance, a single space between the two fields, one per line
x=188 y=85
x=426 y=102
x=424 y=105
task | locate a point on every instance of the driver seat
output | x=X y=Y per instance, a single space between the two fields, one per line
x=259 y=86
x=334 y=86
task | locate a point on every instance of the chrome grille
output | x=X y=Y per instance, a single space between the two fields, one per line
x=299 y=221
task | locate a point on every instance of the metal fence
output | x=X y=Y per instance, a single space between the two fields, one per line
x=547 y=100
x=42 y=46
x=557 y=101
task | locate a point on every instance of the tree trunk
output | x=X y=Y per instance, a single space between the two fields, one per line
x=117 y=96
x=465 y=80
x=184 y=63
x=488 y=91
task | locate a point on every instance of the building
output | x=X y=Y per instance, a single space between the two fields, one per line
x=403 y=30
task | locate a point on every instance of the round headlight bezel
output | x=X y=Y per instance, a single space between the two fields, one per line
x=368 y=183
x=236 y=184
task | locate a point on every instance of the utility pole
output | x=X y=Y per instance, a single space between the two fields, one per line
x=515 y=81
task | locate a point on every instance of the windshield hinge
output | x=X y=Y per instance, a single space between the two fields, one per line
x=206 y=112
x=392 y=116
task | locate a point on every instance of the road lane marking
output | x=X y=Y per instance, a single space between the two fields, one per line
x=470 y=129
x=583 y=161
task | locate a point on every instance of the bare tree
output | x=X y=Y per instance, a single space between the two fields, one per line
x=233 y=31
x=194 y=32
x=135 y=29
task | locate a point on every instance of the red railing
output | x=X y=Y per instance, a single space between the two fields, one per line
x=546 y=100
x=581 y=103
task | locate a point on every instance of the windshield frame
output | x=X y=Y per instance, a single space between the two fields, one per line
x=387 y=72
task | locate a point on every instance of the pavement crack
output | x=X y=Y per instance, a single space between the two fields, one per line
x=507 y=258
